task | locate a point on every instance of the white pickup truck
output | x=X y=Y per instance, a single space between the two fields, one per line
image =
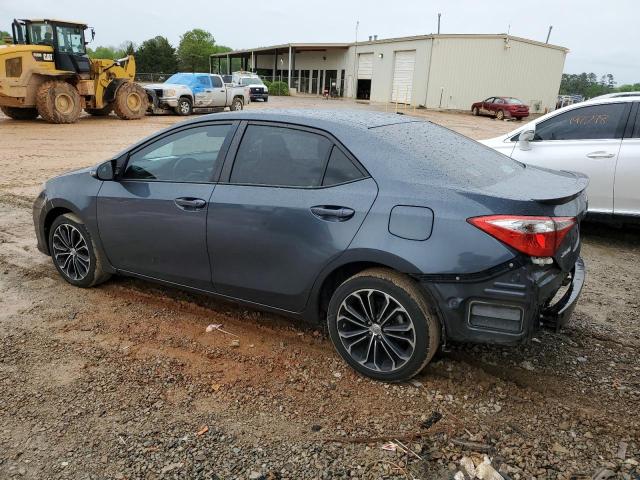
x=183 y=92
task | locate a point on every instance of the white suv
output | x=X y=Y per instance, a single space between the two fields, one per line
x=600 y=138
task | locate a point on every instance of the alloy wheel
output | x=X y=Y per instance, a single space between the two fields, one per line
x=184 y=107
x=71 y=252
x=376 y=330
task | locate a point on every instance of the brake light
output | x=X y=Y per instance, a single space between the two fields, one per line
x=534 y=236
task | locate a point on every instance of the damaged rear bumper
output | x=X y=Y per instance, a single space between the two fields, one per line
x=506 y=304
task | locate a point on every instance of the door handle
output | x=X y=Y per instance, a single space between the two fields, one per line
x=190 y=203
x=332 y=213
x=600 y=154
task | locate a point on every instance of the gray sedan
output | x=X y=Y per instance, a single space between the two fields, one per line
x=399 y=234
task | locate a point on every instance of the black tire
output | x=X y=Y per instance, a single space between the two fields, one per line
x=86 y=253
x=20 y=113
x=499 y=115
x=236 y=105
x=58 y=102
x=266 y=99
x=100 y=112
x=185 y=107
x=413 y=311
x=131 y=101
x=475 y=111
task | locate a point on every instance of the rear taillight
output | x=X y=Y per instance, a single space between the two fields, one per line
x=535 y=236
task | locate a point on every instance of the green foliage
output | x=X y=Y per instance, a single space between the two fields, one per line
x=586 y=84
x=113 y=53
x=156 y=55
x=268 y=84
x=629 y=88
x=5 y=37
x=278 y=88
x=195 y=47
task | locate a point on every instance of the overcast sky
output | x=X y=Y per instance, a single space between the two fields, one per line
x=602 y=36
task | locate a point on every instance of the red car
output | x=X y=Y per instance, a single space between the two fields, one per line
x=501 y=108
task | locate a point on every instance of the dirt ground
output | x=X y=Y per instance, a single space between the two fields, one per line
x=122 y=381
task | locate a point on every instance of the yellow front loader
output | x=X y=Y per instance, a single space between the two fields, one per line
x=46 y=72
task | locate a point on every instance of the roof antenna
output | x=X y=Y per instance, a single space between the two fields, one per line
x=549 y=33
x=439 y=15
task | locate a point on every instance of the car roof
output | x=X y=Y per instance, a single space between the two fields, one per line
x=328 y=120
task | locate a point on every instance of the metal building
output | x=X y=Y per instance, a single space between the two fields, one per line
x=446 y=71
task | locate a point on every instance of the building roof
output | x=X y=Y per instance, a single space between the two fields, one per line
x=312 y=46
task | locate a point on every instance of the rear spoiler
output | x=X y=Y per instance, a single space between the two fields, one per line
x=582 y=181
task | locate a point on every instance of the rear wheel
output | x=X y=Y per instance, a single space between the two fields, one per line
x=100 y=112
x=58 y=102
x=476 y=112
x=73 y=252
x=131 y=101
x=237 y=104
x=20 y=113
x=380 y=324
x=499 y=115
x=185 y=107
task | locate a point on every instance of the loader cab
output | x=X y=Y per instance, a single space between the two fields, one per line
x=66 y=38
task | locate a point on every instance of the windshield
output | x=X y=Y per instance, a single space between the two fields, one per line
x=71 y=40
x=40 y=34
x=182 y=79
x=513 y=101
x=250 y=81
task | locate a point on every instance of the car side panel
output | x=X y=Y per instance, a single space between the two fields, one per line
x=76 y=193
x=454 y=246
x=627 y=178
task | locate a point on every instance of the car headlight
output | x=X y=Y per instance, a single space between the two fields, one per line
x=169 y=93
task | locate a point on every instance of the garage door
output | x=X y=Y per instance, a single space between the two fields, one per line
x=365 y=66
x=403 y=76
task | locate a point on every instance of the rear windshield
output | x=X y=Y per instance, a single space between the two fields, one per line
x=438 y=154
x=250 y=81
x=513 y=101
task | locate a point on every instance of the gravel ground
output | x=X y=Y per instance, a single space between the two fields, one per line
x=122 y=381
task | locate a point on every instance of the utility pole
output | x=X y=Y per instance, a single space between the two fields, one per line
x=549 y=33
x=355 y=63
x=439 y=15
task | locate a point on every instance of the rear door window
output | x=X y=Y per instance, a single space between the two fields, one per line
x=605 y=121
x=280 y=156
x=340 y=169
x=217 y=83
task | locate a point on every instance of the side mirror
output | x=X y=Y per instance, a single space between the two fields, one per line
x=525 y=137
x=104 y=171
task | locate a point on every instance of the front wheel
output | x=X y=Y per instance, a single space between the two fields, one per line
x=236 y=105
x=185 y=107
x=381 y=325
x=73 y=252
x=131 y=101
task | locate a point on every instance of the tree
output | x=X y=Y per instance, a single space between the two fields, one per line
x=5 y=36
x=156 y=55
x=194 y=50
x=113 y=53
x=586 y=84
x=104 y=52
